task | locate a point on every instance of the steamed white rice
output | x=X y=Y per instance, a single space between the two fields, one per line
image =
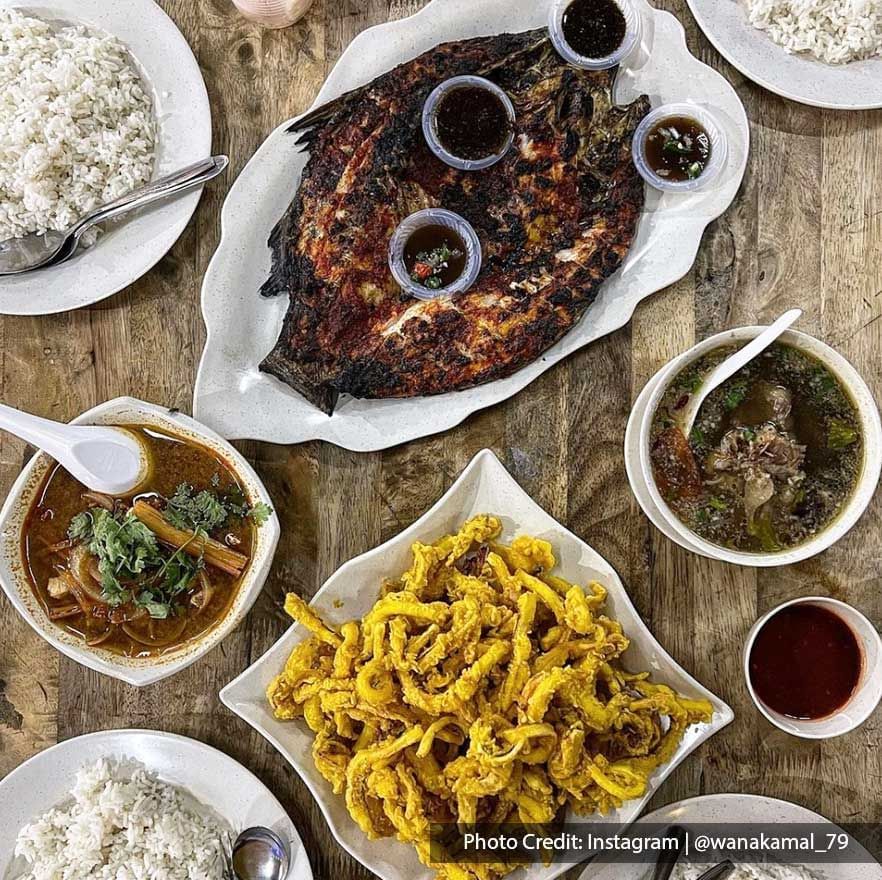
x=77 y=127
x=835 y=31
x=122 y=826
x=749 y=872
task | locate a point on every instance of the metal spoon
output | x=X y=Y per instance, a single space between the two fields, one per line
x=732 y=365
x=260 y=854
x=719 y=872
x=20 y=255
x=664 y=867
x=108 y=460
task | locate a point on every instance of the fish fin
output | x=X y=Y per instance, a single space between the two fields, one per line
x=320 y=394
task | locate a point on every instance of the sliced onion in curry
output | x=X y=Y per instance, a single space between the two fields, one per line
x=150 y=642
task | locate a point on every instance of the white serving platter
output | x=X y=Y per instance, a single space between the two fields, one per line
x=135 y=244
x=220 y=784
x=738 y=809
x=802 y=77
x=239 y=401
x=484 y=487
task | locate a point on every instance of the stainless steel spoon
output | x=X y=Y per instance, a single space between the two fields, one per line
x=719 y=872
x=20 y=255
x=260 y=854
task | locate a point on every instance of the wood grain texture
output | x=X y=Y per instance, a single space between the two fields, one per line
x=805 y=230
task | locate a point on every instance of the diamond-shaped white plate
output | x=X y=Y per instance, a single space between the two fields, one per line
x=484 y=487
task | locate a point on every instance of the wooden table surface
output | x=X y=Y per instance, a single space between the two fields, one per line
x=805 y=230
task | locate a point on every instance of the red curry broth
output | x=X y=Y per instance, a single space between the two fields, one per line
x=61 y=497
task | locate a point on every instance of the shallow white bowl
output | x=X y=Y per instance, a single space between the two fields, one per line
x=866 y=695
x=639 y=466
x=143 y=671
x=484 y=487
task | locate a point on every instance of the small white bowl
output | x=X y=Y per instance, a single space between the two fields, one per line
x=430 y=132
x=718 y=141
x=435 y=217
x=866 y=695
x=633 y=32
x=639 y=464
x=16 y=584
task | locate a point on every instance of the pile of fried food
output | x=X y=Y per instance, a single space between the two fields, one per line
x=480 y=688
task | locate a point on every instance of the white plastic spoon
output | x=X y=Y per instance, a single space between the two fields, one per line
x=107 y=460
x=732 y=365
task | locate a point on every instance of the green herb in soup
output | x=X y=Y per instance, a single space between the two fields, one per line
x=774 y=454
x=141 y=576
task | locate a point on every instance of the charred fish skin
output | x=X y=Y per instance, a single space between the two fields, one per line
x=556 y=218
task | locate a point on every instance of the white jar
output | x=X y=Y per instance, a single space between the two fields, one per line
x=273 y=13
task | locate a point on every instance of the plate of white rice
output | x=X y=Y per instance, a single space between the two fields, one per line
x=96 y=99
x=133 y=804
x=825 y=53
x=729 y=810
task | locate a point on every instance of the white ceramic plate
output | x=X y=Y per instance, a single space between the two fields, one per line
x=235 y=398
x=134 y=245
x=214 y=779
x=736 y=808
x=802 y=78
x=16 y=585
x=484 y=487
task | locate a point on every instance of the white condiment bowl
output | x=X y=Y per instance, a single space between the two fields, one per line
x=639 y=464
x=17 y=586
x=867 y=693
x=633 y=32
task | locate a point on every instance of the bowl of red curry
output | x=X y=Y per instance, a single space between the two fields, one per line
x=140 y=586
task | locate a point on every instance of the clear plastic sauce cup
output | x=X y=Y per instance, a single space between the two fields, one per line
x=435 y=217
x=430 y=130
x=633 y=32
x=718 y=155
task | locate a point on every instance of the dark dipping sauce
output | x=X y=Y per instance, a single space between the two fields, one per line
x=774 y=455
x=472 y=123
x=678 y=149
x=435 y=256
x=594 y=28
x=805 y=662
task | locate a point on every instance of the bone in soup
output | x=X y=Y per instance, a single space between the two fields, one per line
x=775 y=453
x=143 y=575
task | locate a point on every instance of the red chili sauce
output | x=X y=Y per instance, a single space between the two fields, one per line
x=805 y=662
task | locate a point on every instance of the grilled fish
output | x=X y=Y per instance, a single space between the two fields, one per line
x=556 y=217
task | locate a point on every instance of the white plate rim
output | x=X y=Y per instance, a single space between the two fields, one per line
x=699 y=803
x=721 y=40
x=484 y=466
x=118 y=265
x=271 y=812
x=218 y=371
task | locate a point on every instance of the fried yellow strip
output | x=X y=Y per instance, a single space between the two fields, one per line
x=296 y=608
x=545 y=594
x=480 y=686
